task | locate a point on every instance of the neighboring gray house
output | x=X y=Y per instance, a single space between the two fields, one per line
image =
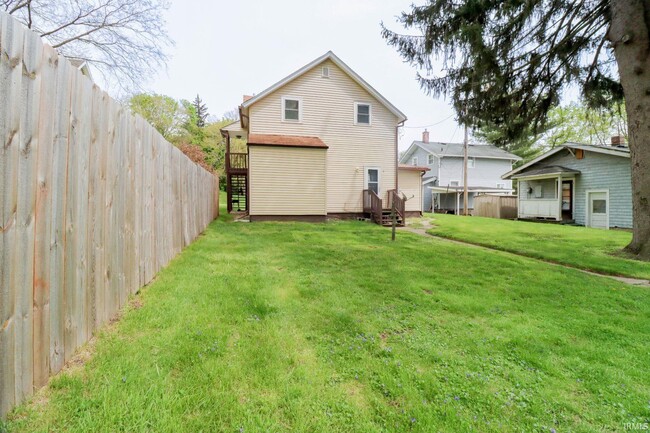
x=586 y=184
x=443 y=184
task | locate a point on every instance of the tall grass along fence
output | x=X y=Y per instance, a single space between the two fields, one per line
x=94 y=203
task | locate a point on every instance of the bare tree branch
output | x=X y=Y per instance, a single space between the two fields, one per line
x=125 y=40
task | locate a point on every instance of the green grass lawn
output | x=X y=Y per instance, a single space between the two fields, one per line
x=284 y=327
x=581 y=247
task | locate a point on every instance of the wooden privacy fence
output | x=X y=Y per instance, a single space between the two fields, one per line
x=495 y=206
x=94 y=203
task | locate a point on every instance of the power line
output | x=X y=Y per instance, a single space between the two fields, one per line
x=428 y=126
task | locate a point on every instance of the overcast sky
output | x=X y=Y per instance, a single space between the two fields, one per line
x=225 y=49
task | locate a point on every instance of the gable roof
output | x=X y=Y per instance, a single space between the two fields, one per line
x=442 y=150
x=338 y=62
x=623 y=152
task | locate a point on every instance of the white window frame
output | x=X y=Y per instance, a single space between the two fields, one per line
x=431 y=159
x=356 y=113
x=456 y=181
x=471 y=162
x=325 y=72
x=414 y=161
x=588 y=205
x=366 y=178
x=300 y=109
x=501 y=185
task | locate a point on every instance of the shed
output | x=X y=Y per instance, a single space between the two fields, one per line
x=584 y=184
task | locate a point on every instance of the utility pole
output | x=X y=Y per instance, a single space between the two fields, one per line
x=465 y=163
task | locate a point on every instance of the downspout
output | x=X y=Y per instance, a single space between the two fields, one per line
x=399 y=125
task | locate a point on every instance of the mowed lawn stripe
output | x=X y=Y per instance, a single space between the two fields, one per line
x=581 y=247
x=332 y=327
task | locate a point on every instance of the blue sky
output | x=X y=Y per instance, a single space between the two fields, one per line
x=225 y=49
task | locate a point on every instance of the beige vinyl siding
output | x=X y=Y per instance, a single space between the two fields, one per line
x=328 y=113
x=410 y=184
x=287 y=181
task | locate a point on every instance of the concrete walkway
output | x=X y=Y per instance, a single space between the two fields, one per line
x=426 y=225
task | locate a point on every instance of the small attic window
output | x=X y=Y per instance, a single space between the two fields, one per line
x=325 y=72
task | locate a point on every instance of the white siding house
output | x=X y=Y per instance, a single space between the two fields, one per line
x=443 y=187
x=342 y=136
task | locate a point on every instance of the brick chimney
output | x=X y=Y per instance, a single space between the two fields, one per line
x=425 y=136
x=618 y=140
x=247 y=97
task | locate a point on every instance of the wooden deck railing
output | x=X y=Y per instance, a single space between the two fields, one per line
x=372 y=204
x=236 y=162
x=400 y=203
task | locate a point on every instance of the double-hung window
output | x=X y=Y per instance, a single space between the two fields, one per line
x=291 y=109
x=362 y=113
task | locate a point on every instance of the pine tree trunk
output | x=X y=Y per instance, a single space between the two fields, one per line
x=630 y=36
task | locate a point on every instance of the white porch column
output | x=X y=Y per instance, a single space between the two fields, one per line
x=457 y=203
x=559 y=197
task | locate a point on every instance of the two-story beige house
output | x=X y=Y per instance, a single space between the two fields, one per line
x=321 y=143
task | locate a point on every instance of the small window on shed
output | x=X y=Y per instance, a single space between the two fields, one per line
x=325 y=72
x=580 y=154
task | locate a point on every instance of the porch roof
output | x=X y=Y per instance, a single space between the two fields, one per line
x=477 y=189
x=550 y=171
x=285 y=140
x=413 y=168
x=234 y=129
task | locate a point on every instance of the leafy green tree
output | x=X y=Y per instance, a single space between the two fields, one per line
x=163 y=112
x=508 y=63
x=579 y=124
x=193 y=132
x=572 y=123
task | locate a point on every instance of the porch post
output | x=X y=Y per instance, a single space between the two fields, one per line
x=559 y=197
x=457 y=203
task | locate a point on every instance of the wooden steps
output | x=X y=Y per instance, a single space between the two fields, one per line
x=387 y=220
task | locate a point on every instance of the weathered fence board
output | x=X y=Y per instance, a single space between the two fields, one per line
x=10 y=76
x=495 y=206
x=93 y=203
x=43 y=221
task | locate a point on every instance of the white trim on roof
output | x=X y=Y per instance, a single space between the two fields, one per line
x=531 y=162
x=338 y=62
x=599 y=149
x=409 y=151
